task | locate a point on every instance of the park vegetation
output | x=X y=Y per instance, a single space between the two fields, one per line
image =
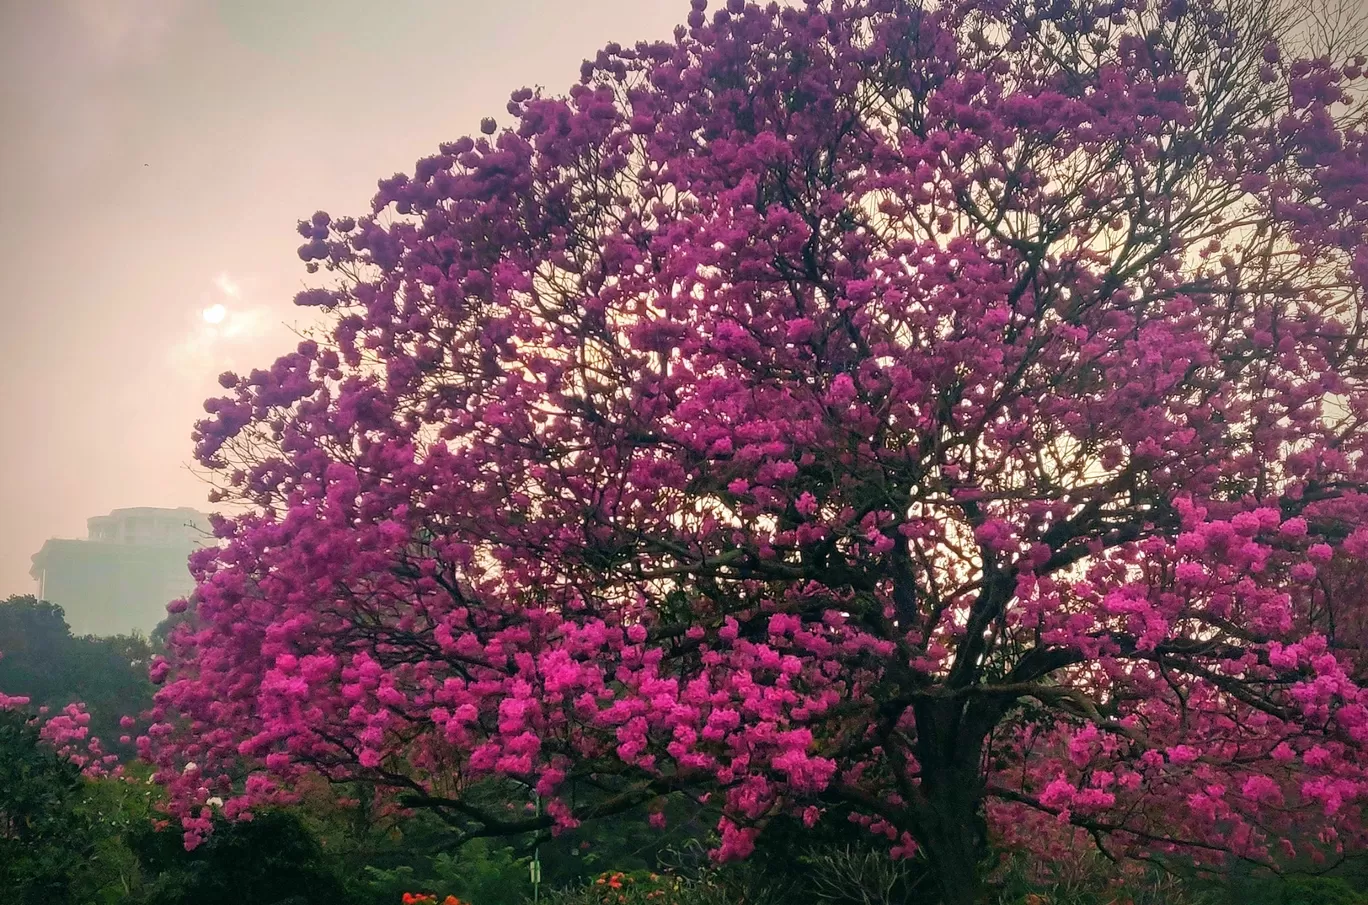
x=861 y=448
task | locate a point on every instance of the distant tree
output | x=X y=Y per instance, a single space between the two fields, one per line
x=35 y=643
x=43 y=661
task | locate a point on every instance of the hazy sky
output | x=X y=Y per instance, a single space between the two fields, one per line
x=155 y=156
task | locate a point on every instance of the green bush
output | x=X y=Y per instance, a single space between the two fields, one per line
x=480 y=872
x=44 y=838
x=271 y=860
x=1321 y=891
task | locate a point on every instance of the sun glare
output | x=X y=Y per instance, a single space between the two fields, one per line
x=215 y=314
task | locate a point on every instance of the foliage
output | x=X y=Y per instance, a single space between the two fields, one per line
x=479 y=872
x=947 y=417
x=773 y=876
x=270 y=860
x=835 y=861
x=1321 y=891
x=859 y=877
x=43 y=839
x=644 y=888
x=44 y=662
x=65 y=818
x=1346 y=885
x=615 y=887
x=1089 y=879
x=65 y=838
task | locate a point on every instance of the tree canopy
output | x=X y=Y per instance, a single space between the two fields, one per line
x=949 y=418
x=41 y=660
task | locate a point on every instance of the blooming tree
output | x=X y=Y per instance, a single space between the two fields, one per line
x=68 y=733
x=950 y=418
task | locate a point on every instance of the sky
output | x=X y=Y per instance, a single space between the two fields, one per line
x=155 y=156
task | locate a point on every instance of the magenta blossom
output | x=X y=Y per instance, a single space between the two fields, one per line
x=949 y=419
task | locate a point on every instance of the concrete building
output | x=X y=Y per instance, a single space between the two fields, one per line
x=120 y=578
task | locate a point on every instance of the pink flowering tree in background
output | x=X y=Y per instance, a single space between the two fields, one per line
x=68 y=733
x=949 y=418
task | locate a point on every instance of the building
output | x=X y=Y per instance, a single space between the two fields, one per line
x=121 y=577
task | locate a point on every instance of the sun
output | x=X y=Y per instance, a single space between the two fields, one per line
x=214 y=314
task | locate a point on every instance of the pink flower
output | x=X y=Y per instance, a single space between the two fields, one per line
x=1262 y=789
x=1182 y=754
x=1293 y=527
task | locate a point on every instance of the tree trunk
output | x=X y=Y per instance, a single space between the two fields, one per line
x=956 y=838
x=955 y=849
x=954 y=829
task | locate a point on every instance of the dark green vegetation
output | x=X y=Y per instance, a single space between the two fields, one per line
x=43 y=661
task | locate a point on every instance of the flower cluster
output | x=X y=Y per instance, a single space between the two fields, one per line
x=621 y=888
x=68 y=732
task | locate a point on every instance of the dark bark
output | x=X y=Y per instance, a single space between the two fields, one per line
x=953 y=829
x=956 y=840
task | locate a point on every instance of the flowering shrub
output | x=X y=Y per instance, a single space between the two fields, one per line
x=68 y=733
x=411 y=898
x=939 y=415
x=623 y=888
x=645 y=888
x=41 y=831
